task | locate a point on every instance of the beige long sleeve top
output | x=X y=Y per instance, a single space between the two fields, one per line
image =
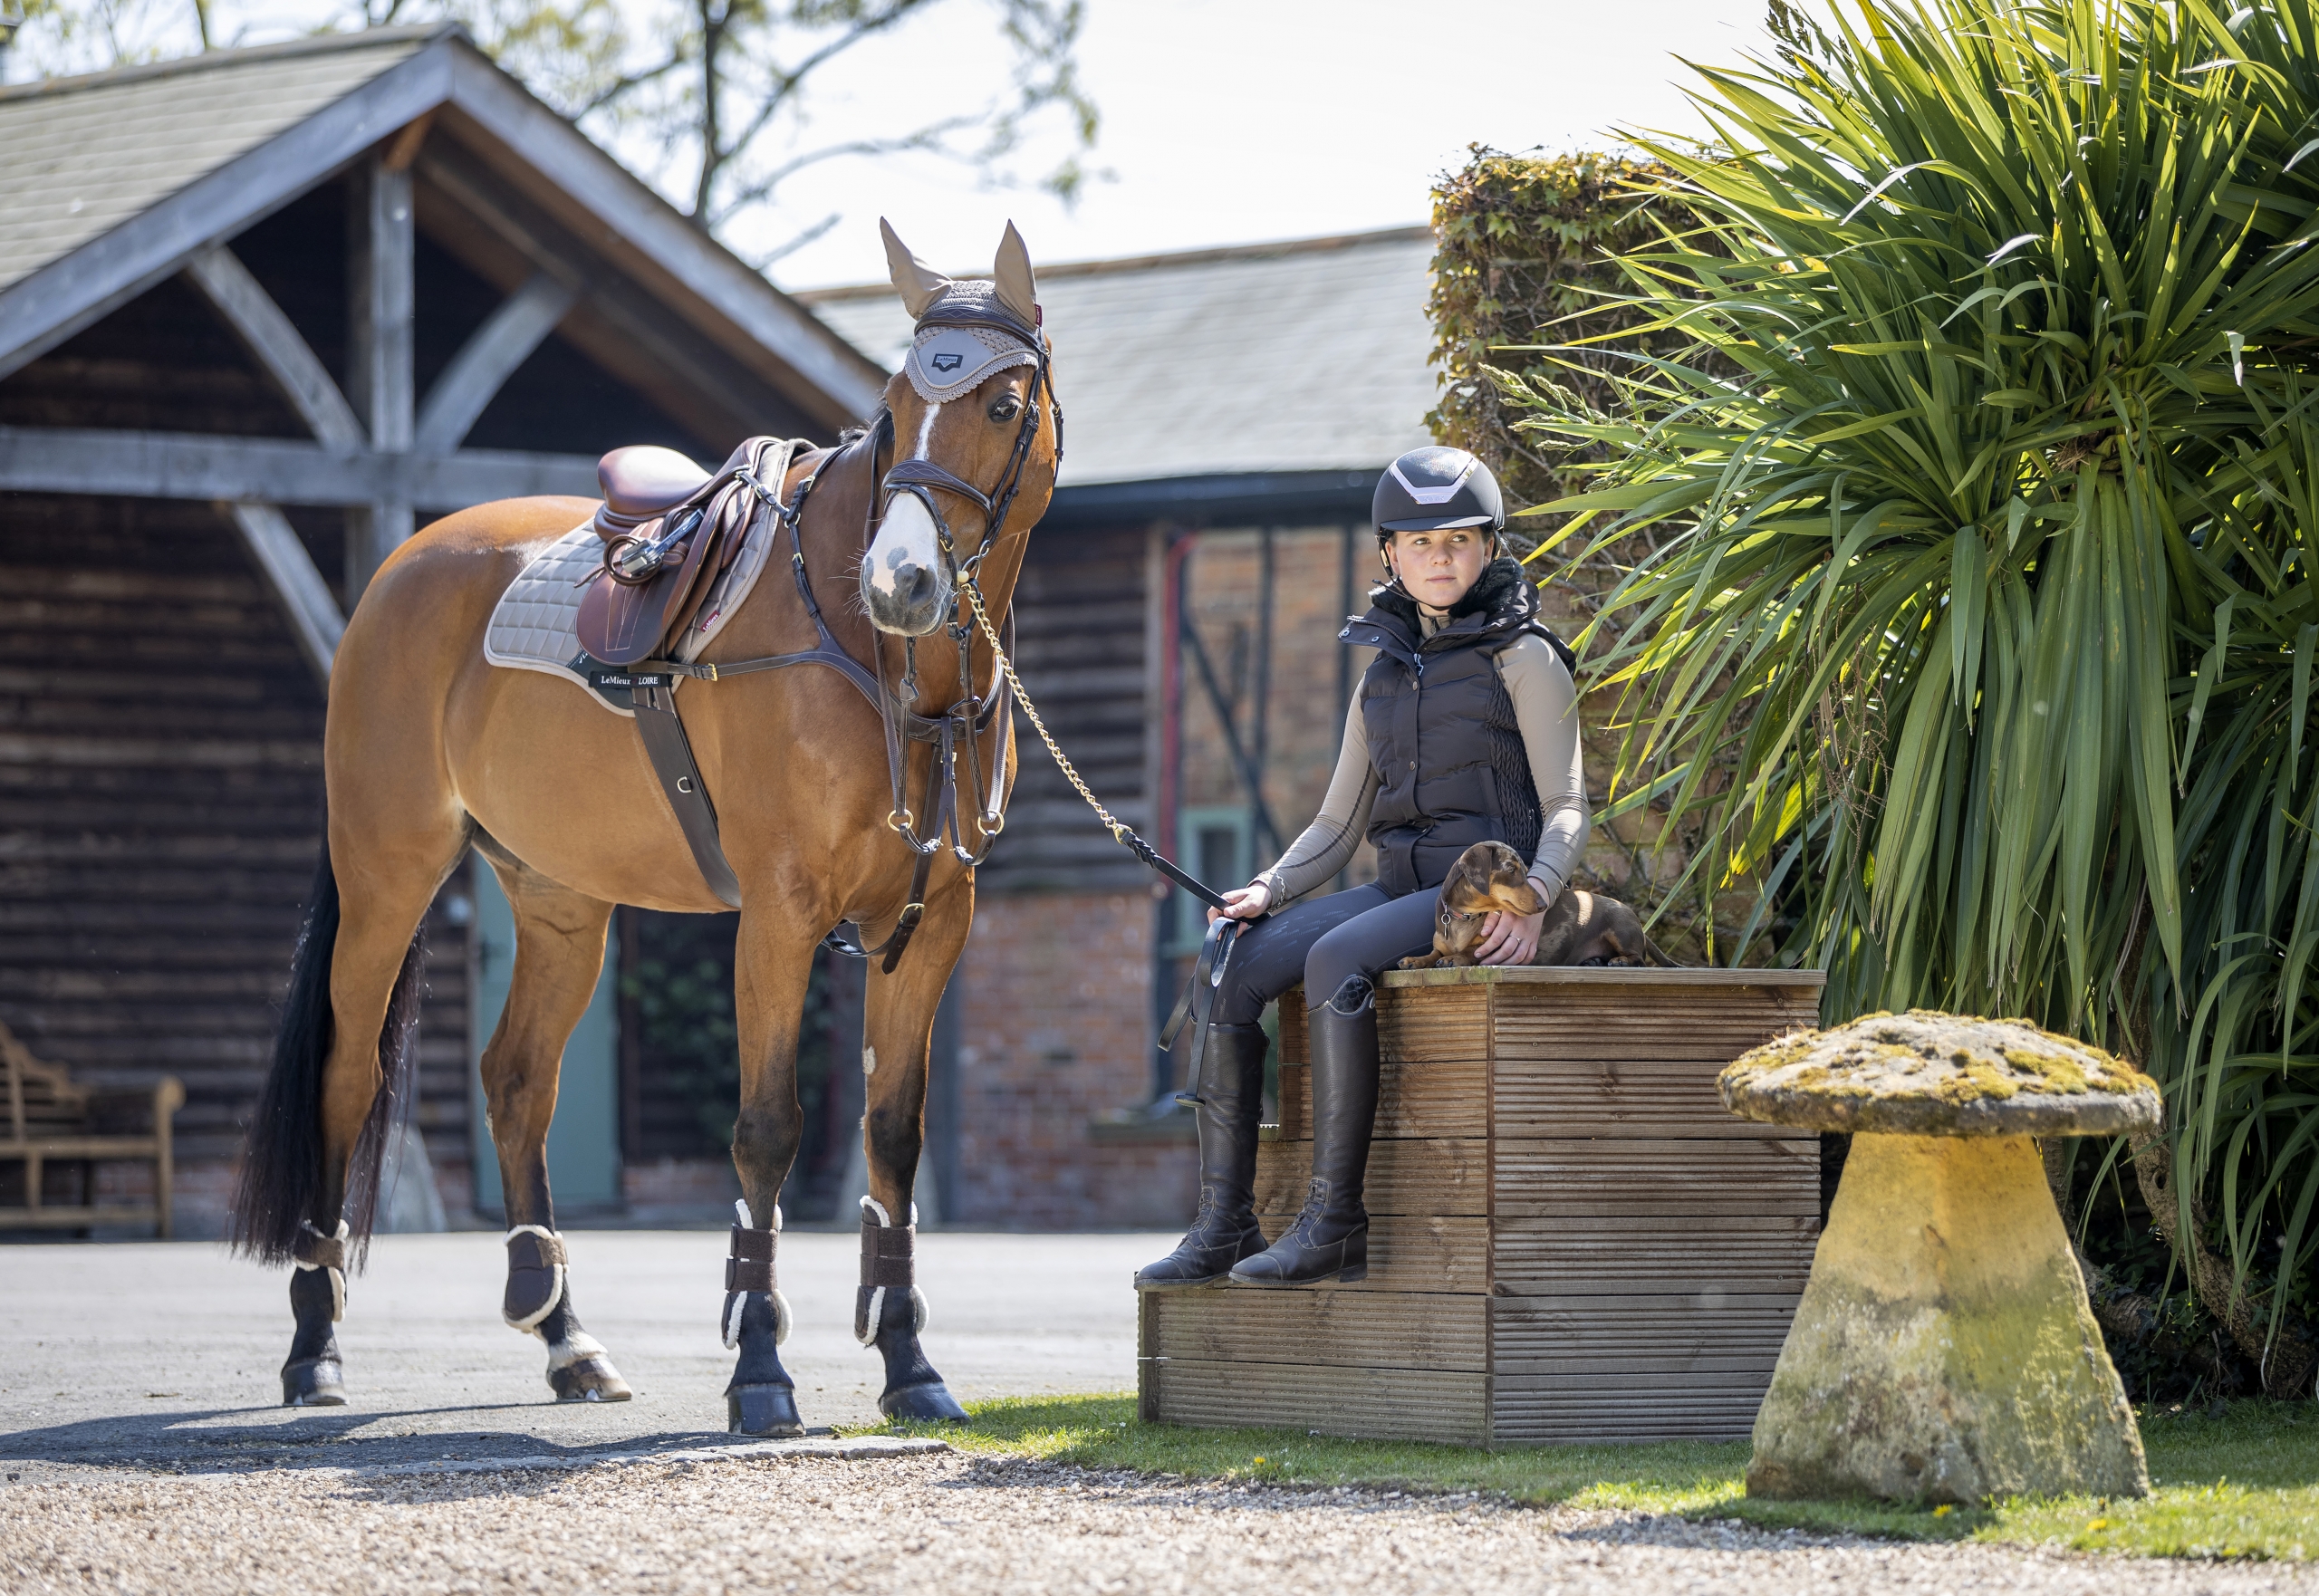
x=1545 y=708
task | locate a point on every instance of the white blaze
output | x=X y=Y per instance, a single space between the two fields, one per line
x=907 y=536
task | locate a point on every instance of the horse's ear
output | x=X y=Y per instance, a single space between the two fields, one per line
x=919 y=284
x=1018 y=290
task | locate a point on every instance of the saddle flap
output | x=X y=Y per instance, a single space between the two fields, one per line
x=619 y=625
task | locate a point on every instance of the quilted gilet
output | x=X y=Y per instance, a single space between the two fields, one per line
x=1450 y=764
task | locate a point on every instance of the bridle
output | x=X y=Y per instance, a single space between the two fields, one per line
x=969 y=716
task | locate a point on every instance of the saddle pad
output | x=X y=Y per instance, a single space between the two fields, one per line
x=535 y=625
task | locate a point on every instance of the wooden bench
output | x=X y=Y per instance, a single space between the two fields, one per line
x=1570 y=1238
x=50 y=1120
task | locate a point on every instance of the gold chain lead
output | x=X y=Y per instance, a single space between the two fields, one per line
x=1118 y=828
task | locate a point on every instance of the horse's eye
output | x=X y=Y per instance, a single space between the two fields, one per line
x=1007 y=408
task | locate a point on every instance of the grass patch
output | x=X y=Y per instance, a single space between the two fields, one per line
x=2240 y=1482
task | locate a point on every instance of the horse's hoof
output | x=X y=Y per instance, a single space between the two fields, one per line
x=314 y=1382
x=590 y=1380
x=762 y=1410
x=933 y=1401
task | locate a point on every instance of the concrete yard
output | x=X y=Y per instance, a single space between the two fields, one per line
x=166 y=1355
x=143 y=1453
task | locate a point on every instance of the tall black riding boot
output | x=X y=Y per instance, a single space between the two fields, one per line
x=1231 y=1101
x=1330 y=1237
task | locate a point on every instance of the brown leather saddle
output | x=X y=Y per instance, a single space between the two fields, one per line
x=669 y=528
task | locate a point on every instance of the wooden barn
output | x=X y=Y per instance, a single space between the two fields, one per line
x=1228 y=413
x=261 y=311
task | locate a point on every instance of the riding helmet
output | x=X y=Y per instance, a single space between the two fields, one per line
x=1429 y=489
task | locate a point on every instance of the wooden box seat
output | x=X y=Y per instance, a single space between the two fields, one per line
x=1570 y=1238
x=51 y=1120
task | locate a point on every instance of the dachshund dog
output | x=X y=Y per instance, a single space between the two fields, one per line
x=1581 y=928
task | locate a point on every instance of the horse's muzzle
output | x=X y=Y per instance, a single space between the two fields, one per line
x=904 y=583
x=907 y=599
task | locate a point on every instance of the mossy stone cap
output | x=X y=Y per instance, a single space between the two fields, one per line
x=1927 y=1073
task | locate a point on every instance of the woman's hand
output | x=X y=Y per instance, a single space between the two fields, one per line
x=1512 y=939
x=1248 y=903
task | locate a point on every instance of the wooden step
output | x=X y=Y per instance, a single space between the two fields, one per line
x=1388 y=1404
x=1571 y=1238
x=1325 y=1326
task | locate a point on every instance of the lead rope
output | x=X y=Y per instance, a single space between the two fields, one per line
x=1196 y=1007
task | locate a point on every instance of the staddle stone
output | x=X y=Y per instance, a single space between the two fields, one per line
x=1944 y=1350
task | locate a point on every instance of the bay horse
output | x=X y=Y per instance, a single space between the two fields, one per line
x=428 y=750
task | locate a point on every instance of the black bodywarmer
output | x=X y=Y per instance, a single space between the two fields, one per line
x=1442 y=737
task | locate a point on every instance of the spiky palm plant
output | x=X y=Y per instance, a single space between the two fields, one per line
x=1979 y=625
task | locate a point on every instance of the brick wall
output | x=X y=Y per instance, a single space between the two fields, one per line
x=1057 y=1032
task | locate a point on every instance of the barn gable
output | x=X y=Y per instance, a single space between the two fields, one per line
x=261 y=313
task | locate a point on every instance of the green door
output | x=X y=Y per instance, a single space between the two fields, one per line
x=583 y=1143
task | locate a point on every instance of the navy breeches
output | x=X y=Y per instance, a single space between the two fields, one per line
x=1323 y=942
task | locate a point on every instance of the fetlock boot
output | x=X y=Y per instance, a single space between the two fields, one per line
x=1229 y=1102
x=1330 y=1237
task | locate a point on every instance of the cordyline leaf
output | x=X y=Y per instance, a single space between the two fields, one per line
x=1965 y=555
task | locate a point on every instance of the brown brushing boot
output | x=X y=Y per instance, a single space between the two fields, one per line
x=1330 y=1237
x=1229 y=1102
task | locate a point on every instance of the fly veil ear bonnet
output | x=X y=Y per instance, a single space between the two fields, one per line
x=966 y=329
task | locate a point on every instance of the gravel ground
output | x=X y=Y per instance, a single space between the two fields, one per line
x=942 y=1523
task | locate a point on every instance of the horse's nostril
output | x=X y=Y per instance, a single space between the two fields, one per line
x=918 y=584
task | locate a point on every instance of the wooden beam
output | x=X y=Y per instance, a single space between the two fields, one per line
x=380 y=259
x=220 y=274
x=642 y=325
x=483 y=365
x=192 y=466
x=66 y=296
x=381 y=309
x=821 y=374
x=313 y=615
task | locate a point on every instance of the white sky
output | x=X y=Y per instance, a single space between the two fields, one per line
x=1224 y=122
x=1230 y=121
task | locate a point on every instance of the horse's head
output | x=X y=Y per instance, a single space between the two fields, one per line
x=975 y=426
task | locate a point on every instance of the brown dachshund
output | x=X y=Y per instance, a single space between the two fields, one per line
x=1581 y=928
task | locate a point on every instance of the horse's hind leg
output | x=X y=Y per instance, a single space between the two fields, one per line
x=366 y=975
x=889 y=1310
x=559 y=953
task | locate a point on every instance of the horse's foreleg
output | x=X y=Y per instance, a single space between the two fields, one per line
x=773 y=961
x=889 y=1310
x=559 y=953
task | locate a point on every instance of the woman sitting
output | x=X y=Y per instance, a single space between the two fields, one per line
x=1464 y=730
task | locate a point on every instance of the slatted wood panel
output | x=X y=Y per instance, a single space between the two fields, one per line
x=1568 y=1179
x=1402 y=1404
x=1448 y=1098
x=1426 y=1178
x=1415 y=1252
x=1708 y=1331
x=1340 y=1328
x=160 y=804
x=1080 y=630
x=1642 y=1251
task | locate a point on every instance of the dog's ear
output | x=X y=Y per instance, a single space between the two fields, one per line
x=1522 y=899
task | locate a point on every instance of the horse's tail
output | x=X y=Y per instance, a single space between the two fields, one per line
x=283 y=1180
